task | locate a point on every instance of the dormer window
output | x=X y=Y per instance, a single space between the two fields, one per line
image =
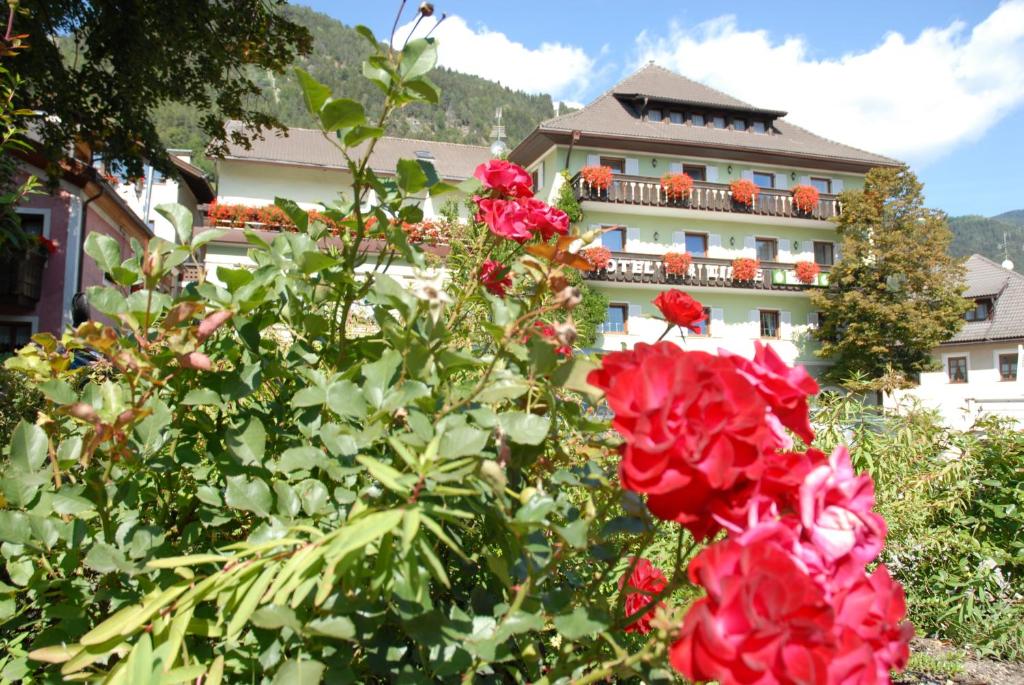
x=675 y=117
x=982 y=310
x=654 y=115
x=739 y=124
x=697 y=119
x=758 y=127
x=718 y=121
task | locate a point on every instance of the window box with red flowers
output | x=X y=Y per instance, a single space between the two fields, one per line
x=677 y=263
x=597 y=177
x=744 y=192
x=676 y=186
x=805 y=199
x=21 y=273
x=745 y=269
x=598 y=256
x=807 y=272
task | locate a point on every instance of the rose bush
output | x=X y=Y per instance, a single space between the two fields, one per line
x=313 y=472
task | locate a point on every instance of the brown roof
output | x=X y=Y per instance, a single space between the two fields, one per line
x=309 y=147
x=985 y=278
x=195 y=179
x=615 y=115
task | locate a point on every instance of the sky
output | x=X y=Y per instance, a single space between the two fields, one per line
x=936 y=83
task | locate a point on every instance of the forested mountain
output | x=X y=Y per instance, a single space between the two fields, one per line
x=986 y=235
x=466 y=113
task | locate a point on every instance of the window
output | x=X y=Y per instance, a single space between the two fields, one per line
x=824 y=185
x=704 y=327
x=739 y=124
x=767 y=249
x=32 y=222
x=769 y=323
x=718 y=122
x=956 y=368
x=1008 y=367
x=615 y=319
x=697 y=119
x=697 y=244
x=763 y=179
x=618 y=164
x=758 y=127
x=654 y=115
x=824 y=253
x=615 y=240
x=982 y=310
x=14 y=335
x=675 y=117
x=696 y=172
x=538 y=178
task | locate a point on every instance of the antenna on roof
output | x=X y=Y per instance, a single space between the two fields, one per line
x=1007 y=262
x=498 y=147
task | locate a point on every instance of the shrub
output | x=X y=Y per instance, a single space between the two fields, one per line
x=805 y=198
x=744 y=191
x=745 y=269
x=19 y=401
x=677 y=263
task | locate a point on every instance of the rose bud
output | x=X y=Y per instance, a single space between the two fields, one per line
x=569 y=298
x=565 y=332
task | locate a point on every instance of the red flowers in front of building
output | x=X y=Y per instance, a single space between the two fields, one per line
x=788 y=598
x=49 y=246
x=677 y=263
x=510 y=210
x=744 y=191
x=649 y=581
x=598 y=256
x=677 y=186
x=745 y=269
x=806 y=272
x=495 y=277
x=599 y=177
x=805 y=198
x=679 y=309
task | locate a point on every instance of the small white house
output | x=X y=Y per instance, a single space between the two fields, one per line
x=979 y=365
x=188 y=186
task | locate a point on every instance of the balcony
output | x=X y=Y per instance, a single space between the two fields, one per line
x=630 y=268
x=711 y=197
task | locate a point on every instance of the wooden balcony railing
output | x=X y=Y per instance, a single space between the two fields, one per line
x=629 y=267
x=712 y=197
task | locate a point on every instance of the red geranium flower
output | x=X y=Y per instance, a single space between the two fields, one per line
x=598 y=256
x=649 y=580
x=744 y=191
x=806 y=272
x=805 y=198
x=745 y=269
x=599 y=177
x=505 y=178
x=495 y=277
x=677 y=186
x=680 y=309
x=677 y=263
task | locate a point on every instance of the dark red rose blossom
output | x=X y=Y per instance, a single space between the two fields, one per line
x=680 y=309
x=544 y=219
x=49 y=245
x=649 y=580
x=495 y=277
x=505 y=178
x=504 y=218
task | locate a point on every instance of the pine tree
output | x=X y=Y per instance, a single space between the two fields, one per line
x=896 y=293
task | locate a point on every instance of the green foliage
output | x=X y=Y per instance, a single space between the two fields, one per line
x=593 y=307
x=13 y=190
x=566 y=200
x=465 y=113
x=896 y=293
x=954 y=503
x=987 y=236
x=256 y=491
x=18 y=401
x=99 y=69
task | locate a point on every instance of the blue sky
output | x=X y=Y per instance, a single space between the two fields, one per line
x=938 y=83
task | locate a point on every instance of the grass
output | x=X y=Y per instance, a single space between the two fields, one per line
x=945 y=665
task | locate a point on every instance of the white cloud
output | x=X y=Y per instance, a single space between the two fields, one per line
x=563 y=71
x=915 y=100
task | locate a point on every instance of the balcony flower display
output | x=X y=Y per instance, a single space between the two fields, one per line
x=598 y=256
x=274 y=216
x=677 y=263
x=744 y=191
x=429 y=232
x=806 y=272
x=805 y=198
x=677 y=186
x=599 y=177
x=745 y=269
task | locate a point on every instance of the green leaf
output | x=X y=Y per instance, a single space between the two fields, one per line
x=580 y=623
x=234 y=279
x=299 y=459
x=418 y=57
x=274 y=617
x=575 y=533
x=248 y=443
x=313 y=495
x=104 y=250
x=297 y=214
x=180 y=217
x=378 y=376
x=462 y=441
x=389 y=477
x=361 y=133
x=523 y=428
x=424 y=90
x=295 y=672
x=411 y=176
x=249 y=495
x=518 y=622
x=107 y=300
x=341 y=113
x=503 y=389
x=313 y=92
x=337 y=627
x=206 y=236
x=201 y=396
x=345 y=399
x=28 y=446
x=312 y=396
x=58 y=392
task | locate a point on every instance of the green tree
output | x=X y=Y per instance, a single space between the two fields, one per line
x=99 y=69
x=896 y=293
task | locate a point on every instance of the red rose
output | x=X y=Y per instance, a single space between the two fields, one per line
x=785 y=387
x=649 y=580
x=680 y=309
x=763 y=620
x=505 y=218
x=544 y=219
x=495 y=277
x=505 y=178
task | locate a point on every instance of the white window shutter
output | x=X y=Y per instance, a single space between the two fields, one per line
x=754 y=320
x=679 y=238
x=675 y=167
x=717 y=325
x=634 y=311
x=748 y=175
x=711 y=173
x=782 y=181
x=632 y=166
x=749 y=246
x=837 y=185
x=632 y=234
x=714 y=240
x=785 y=253
x=805 y=180
x=593 y=160
x=812 y=319
x=786 y=324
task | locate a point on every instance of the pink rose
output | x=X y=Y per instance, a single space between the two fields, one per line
x=504 y=218
x=495 y=277
x=649 y=580
x=505 y=178
x=544 y=219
